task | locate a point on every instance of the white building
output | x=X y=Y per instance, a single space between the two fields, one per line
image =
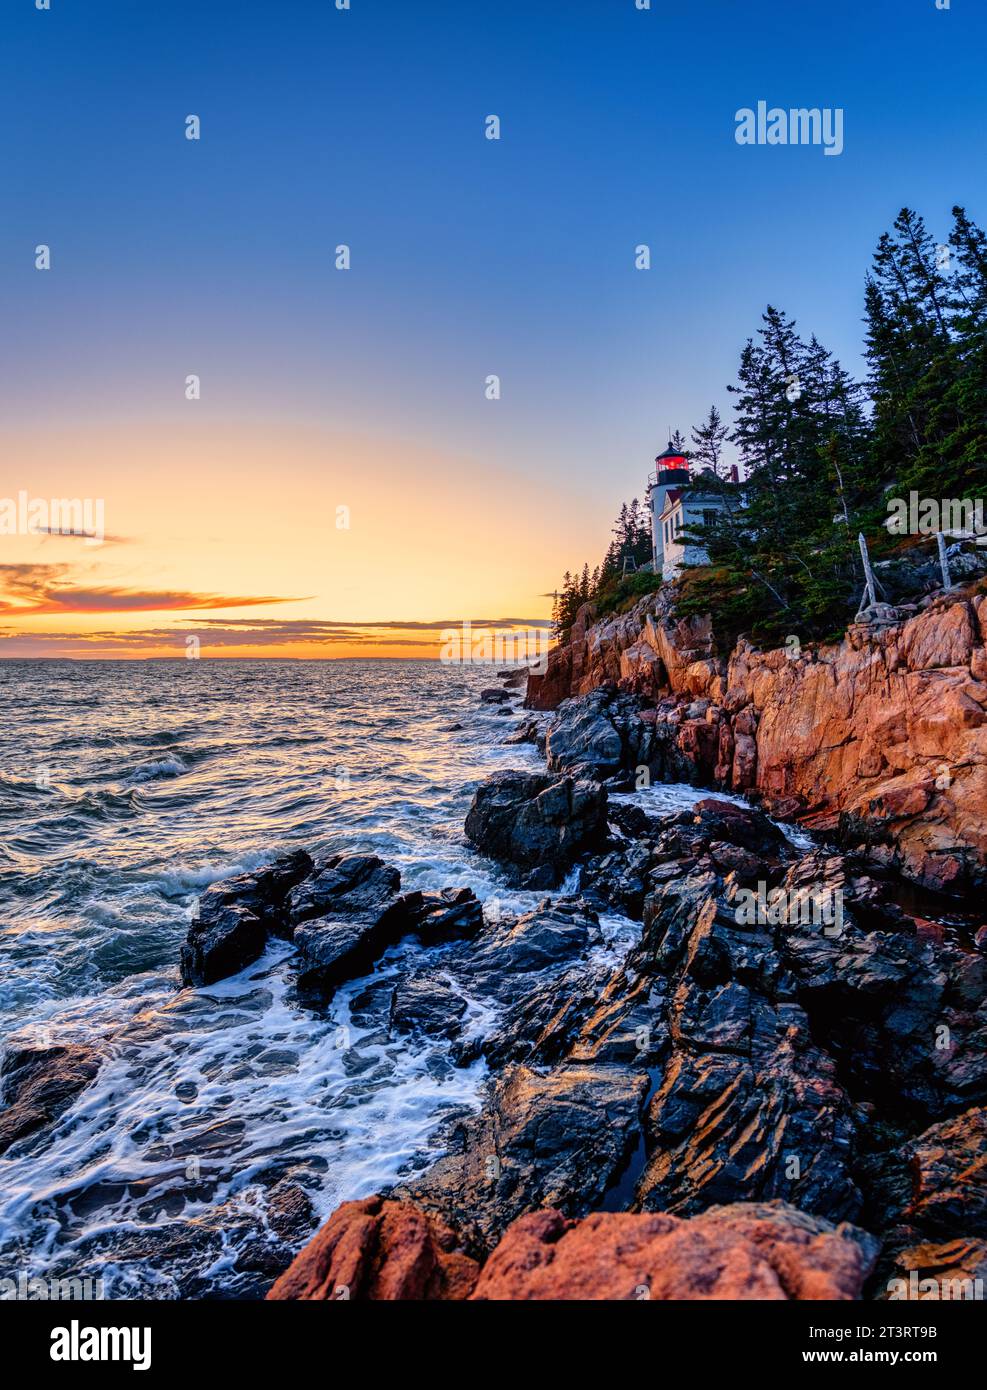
x=678 y=505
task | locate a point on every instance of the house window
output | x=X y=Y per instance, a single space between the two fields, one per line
x=709 y=518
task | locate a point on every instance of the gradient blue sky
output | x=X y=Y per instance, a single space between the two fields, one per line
x=469 y=256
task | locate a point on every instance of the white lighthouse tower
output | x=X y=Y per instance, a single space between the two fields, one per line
x=671 y=473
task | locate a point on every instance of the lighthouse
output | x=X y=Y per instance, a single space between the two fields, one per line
x=670 y=475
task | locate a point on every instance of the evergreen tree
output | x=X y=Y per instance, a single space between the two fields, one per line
x=708 y=440
x=782 y=551
x=921 y=374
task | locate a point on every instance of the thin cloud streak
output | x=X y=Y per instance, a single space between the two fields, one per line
x=37 y=589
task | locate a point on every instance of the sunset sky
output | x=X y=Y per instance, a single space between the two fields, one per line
x=363 y=389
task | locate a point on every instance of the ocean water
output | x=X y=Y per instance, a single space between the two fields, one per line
x=125 y=789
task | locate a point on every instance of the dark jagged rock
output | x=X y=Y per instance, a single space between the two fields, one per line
x=583 y=735
x=334 y=951
x=611 y=735
x=526 y=732
x=746 y=1107
x=365 y=920
x=772 y=1042
x=494 y=696
x=541 y=1025
x=536 y=822
x=341 y=914
x=452 y=914
x=261 y=891
x=514 y=680
x=289 y=1218
x=428 y=1004
x=904 y=1017
x=739 y=825
x=234 y=917
x=932 y=1206
x=223 y=944
x=948 y=1164
x=554 y=934
x=649 y=850
x=38 y=1083
x=732 y=1127
x=557 y=1140
x=346 y=885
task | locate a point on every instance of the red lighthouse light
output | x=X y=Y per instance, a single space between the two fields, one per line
x=671 y=458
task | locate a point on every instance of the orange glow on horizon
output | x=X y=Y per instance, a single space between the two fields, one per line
x=322 y=545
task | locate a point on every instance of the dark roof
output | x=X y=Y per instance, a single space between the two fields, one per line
x=671 y=453
x=671 y=498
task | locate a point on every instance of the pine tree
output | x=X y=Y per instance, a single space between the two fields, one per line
x=913 y=365
x=964 y=449
x=782 y=552
x=708 y=440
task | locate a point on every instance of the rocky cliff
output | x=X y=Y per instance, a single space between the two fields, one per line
x=880 y=739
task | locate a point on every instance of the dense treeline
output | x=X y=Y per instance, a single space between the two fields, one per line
x=631 y=538
x=822 y=453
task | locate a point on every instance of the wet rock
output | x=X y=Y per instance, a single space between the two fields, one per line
x=555 y=933
x=233 y=918
x=536 y=822
x=732 y=859
x=494 y=696
x=289 y=1210
x=453 y=914
x=764 y=1251
x=333 y=951
x=731 y=1127
x=526 y=732
x=377 y=1249
x=229 y=940
x=155 y=1262
x=543 y=1022
x=583 y=735
x=650 y=849
x=948 y=1164
x=746 y=1106
x=261 y=891
x=904 y=1016
x=556 y=1140
x=289 y=1218
x=428 y=1004
x=513 y=680
x=38 y=1083
x=346 y=884
x=741 y=826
